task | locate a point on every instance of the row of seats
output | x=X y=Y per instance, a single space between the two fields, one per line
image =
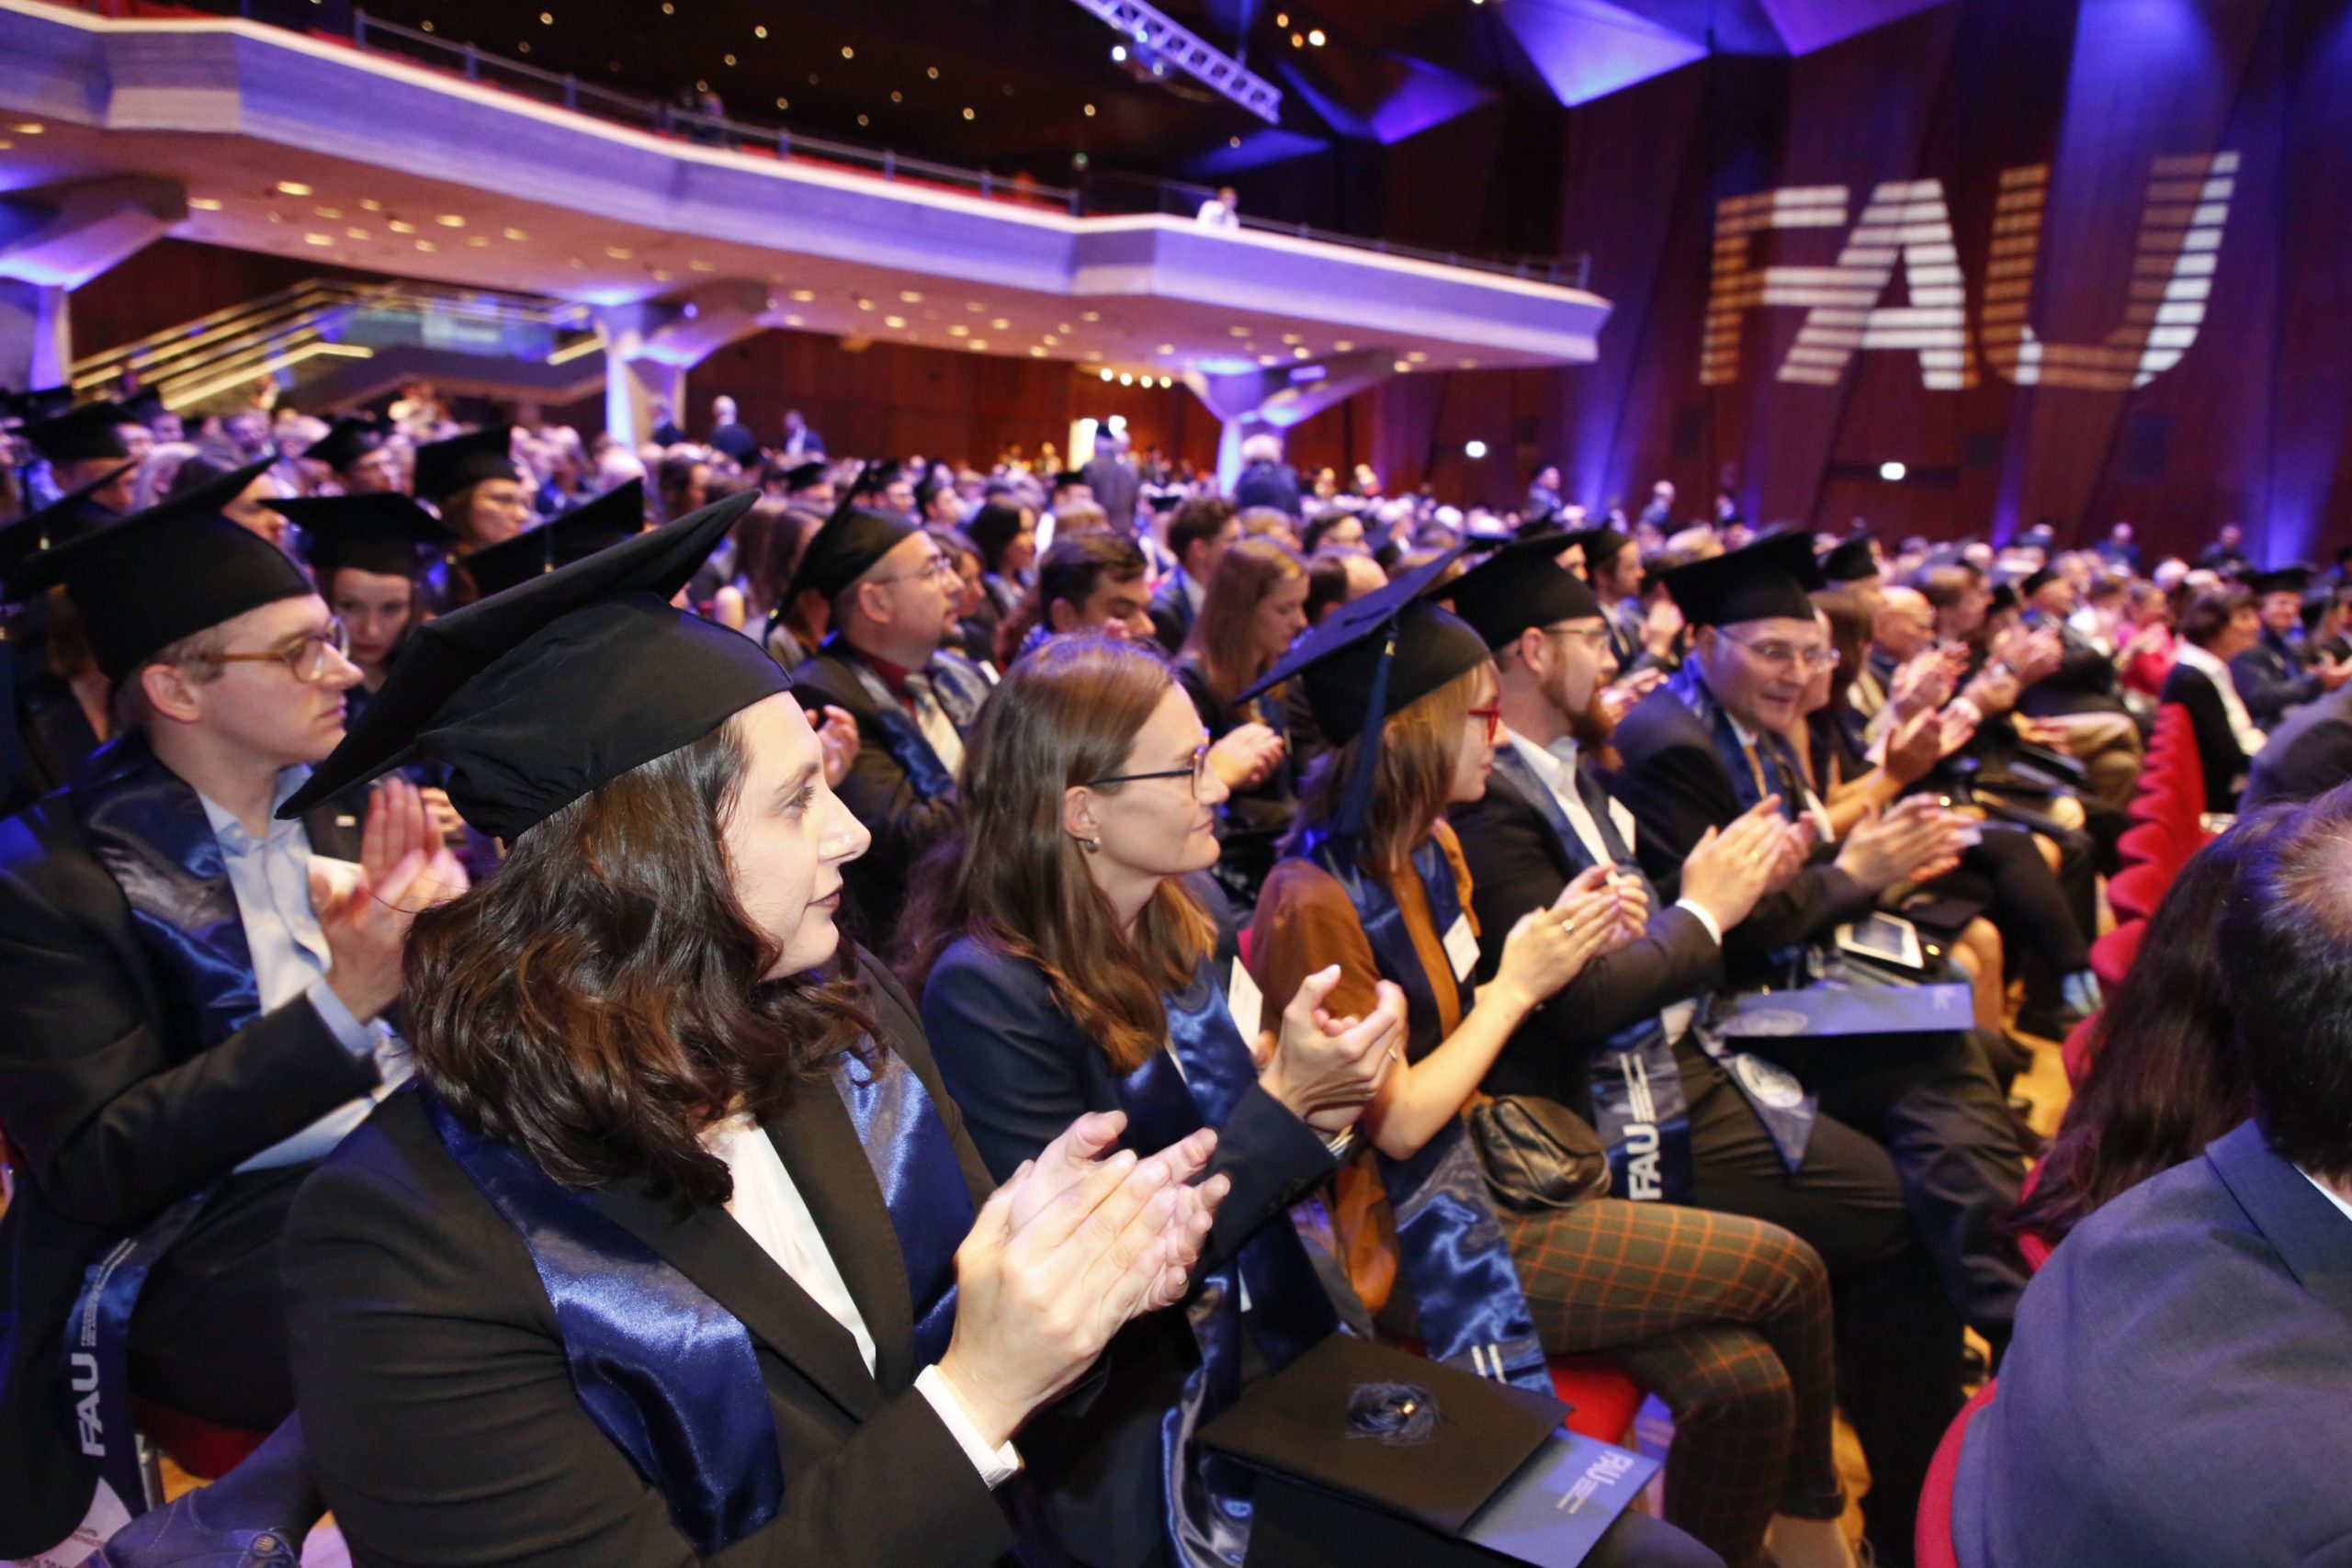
x=2167 y=826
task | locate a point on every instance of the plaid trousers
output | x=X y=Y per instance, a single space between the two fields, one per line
x=1727 y=1321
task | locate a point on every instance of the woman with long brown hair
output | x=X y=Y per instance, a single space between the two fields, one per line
x=1726 y=1318
x=679 y=1253
x=1253 y=608
x=1068 y=966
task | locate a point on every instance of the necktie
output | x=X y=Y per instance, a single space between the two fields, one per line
x=936 y=727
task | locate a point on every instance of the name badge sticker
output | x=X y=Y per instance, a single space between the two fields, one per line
x=1462 y=948
x=1246 y=1002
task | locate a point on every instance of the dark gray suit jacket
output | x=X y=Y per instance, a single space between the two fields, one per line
x=2305 y=757
x=2180 y=1391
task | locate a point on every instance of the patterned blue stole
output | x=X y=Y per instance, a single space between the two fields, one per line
x=146 y=828
x=1474 y=1313
x=665 y=1371
x=1199 y=1082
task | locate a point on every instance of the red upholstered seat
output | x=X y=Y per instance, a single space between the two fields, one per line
x=1931 y=1541
x=203 y=1449
x=2137 y=890
x=2076 y=1051
x=1602 y=1400
x=2151 y=843
x=2111 y=954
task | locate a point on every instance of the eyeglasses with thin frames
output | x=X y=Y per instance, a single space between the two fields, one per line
x=1198 y=773
x=1782 y=656
x=938 y=566
x=305 y=657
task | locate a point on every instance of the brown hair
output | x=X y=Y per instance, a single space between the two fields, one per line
x=1221 y=638
x=2208 y=614
x=599 y=1002
x=197 y=655
x=1418 y=749
x=1067 y=713
x=1069 y=575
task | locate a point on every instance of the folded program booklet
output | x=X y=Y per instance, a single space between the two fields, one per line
x=1821 y=1012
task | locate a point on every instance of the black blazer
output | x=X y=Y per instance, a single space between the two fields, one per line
x=877 y=794
x=2307 y=756
x=111 y=1118
x=1517 y=863
x=2271 y=678
x=1021 y=1072
x=1677 y=787
x=1172 y=614
x=2217 y=744
x=442 y=1420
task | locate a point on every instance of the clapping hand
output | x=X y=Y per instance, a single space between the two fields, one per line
x=1328 y=1069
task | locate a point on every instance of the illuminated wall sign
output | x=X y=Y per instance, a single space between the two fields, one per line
x=1907 y=226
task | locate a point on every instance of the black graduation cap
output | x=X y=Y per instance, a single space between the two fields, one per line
x=846 y=549
x=2285 y=580
x=593 y=525
x=346 y=441
x=144 y=406
x=61 y=522
x=90 y=430
x=873 y=477
x=1369 y=1455
x=802 y=476
x=1521 y=585
x=1356 y=673
x=1600 y=545
x=382 y=534
x=1851 y=560
x=533 y=697
x=445 y=468
x=41 y=403
x=168 y=573
x=2005 y=597
x=1769 y=578
x=1070 y=476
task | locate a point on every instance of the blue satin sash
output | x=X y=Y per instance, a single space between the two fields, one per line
x=1199 y=1082
x=665 y=1371
x=146 y=828
x=1779 y=764
x=1474 y=1312
x=906 y=1142
x=956 y=684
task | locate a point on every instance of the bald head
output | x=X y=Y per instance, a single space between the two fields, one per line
x=1904 y=622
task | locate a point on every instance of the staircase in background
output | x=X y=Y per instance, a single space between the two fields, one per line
x=331 y=346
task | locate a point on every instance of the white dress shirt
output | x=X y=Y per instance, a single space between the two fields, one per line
x=271 y=879
x=770 y=1209
x=2343 y=1204
x=2250 y=740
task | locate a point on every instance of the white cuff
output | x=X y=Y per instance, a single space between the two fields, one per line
x=1704 y=917
x=996 y=1465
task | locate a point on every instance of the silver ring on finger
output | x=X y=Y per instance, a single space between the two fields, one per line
x=1568 y=926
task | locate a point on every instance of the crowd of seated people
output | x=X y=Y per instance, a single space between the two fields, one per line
x=477 y=900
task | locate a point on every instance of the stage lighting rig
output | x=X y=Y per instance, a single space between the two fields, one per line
x=1152 y=44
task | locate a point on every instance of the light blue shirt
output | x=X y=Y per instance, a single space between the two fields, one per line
x=271 y=879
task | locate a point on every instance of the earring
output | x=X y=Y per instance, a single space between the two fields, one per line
x=1091 y=846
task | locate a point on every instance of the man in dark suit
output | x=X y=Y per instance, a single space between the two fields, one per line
x=1265 y=479
x=2179 y=1390
x=2280 y=673
x=1198 y=537
x=1629 y=1018
x=1705 y=748
x=186 y=1007
x=2082 y=695
x=893 y=595
x=2307 y=756
x=1113 y=478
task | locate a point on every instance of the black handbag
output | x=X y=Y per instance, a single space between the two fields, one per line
x=1537 y=1153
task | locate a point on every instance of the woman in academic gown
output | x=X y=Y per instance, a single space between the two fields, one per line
x=679 y=1253
x=2215 y=628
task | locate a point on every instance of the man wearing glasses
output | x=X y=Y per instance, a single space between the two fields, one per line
x=893 y=596
x=1698 y=754
x=191 y=999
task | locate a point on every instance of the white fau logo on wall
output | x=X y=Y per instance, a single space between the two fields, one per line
x=1907 y=224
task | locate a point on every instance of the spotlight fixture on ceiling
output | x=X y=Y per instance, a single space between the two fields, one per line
x=1151 y=42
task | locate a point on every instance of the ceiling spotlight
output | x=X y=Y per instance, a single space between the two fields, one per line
x=761 y=31
x=1473 y=449
x=1119 y=52
x=204 y=204
x=285 y=187
x=319 y=239
x=1126 y=378
x=1891 y=472
x=1090 y=111
x=1316 y=38
x=848 y=53
x=516 y=234
x=1106 y=373
x=967 y=114
x=450 y=221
